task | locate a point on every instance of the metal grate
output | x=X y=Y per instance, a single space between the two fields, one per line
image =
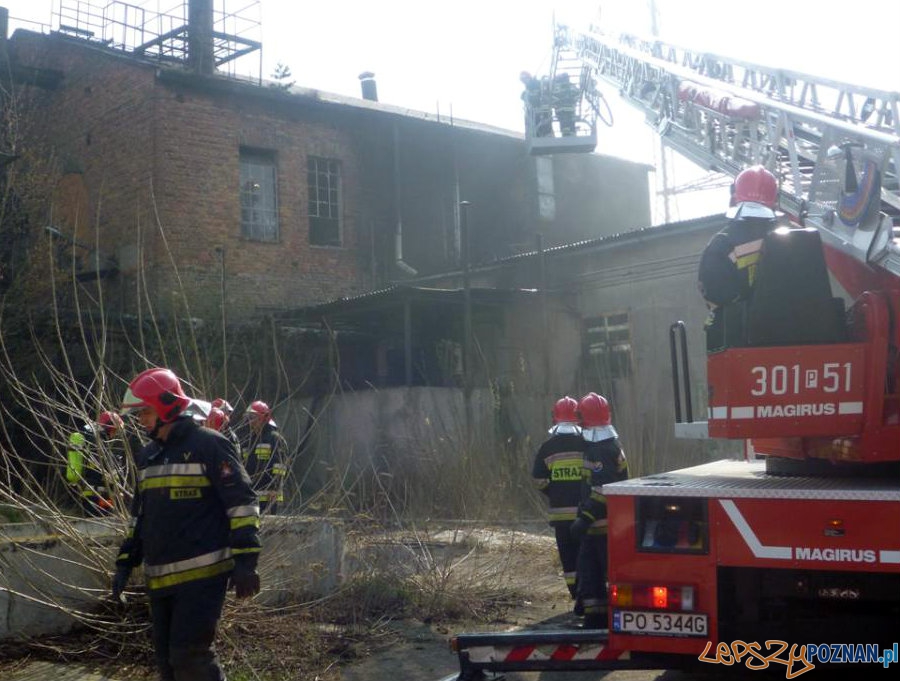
x=163 y=35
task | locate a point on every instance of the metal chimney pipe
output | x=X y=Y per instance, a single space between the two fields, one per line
x=201 y=56
x=369 y=88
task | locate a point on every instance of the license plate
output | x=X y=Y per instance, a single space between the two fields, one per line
x=659 y=623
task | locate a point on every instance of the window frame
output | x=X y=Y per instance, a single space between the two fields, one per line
x=333 y=201
x=253 y=165
x=617 y=352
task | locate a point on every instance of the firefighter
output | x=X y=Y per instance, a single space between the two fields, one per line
x=216 y=420
x=194 y=525
x=604 y=462
x=265 y=457
x=728 y=263
x=538 y=111
x=224 y=405
x=219 y=421
x=236 y=428
x=557 y=473
x=95 y=462
x=565 y=101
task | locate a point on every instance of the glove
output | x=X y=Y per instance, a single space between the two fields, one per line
x=579 y=528
x=245 y=580
x=119 y=582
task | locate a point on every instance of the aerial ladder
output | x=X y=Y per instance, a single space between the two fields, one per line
x=736 y=550
x=835 y=148
x=724 y=115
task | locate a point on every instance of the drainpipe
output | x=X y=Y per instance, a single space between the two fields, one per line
x=468 y=369
x=545 y=330
x=398 y=230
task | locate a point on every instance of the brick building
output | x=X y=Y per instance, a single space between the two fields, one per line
x=244 y=196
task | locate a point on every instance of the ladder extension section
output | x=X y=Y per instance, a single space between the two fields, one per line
x=835 y=147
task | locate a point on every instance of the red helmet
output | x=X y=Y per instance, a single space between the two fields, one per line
x=217 y=419
x=158 y=389
x=110 y=421
x=224 y=405
x=565 y=410
x=754 y=185
x=259 y=411
x=594 y=411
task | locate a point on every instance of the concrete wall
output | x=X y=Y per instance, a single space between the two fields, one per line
x=413 y=440
x=44 y=575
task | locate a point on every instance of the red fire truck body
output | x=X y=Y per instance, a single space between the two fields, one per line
x=723 y=551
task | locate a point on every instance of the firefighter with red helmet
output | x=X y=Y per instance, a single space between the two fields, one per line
x=220 y=421
x=728 y=263
x=95 y=461
x=265 y=457
x=216 y=420
x=224 y=405
x=194 y=526
x=604 y=462
x=557 y=474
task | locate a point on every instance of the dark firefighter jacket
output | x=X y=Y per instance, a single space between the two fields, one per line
x=604 y=462
x=728 y=263
x=194 y=512
x=264 y=459
x=557 y=473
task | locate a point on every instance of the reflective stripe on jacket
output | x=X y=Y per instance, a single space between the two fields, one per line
x=264 y=459
x=557 y=473
x=194 y=511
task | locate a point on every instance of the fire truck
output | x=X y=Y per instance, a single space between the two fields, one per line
x=800 y=543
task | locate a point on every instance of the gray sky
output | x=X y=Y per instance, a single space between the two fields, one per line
x=465 y=56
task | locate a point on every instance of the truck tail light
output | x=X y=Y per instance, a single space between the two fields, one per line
x=652 y=596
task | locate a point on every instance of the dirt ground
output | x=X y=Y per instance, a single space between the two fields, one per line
x=462 y=581
x=421 y=651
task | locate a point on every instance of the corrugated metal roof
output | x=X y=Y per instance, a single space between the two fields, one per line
x=401 y=293
x=397 y=293
x=600 y=243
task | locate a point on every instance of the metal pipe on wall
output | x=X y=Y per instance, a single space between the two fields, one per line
x=398 y=211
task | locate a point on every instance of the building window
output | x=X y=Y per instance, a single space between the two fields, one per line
x=259 y=199
x=324 y=184
x=607 y=345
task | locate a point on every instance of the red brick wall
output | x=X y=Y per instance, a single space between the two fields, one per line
x=160 y=149
x=99 y=123
x=161 y=167
x=199 y=138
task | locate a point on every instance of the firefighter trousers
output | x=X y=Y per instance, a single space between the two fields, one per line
x=184 y=630
x=568 y=553
x=593 y=563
